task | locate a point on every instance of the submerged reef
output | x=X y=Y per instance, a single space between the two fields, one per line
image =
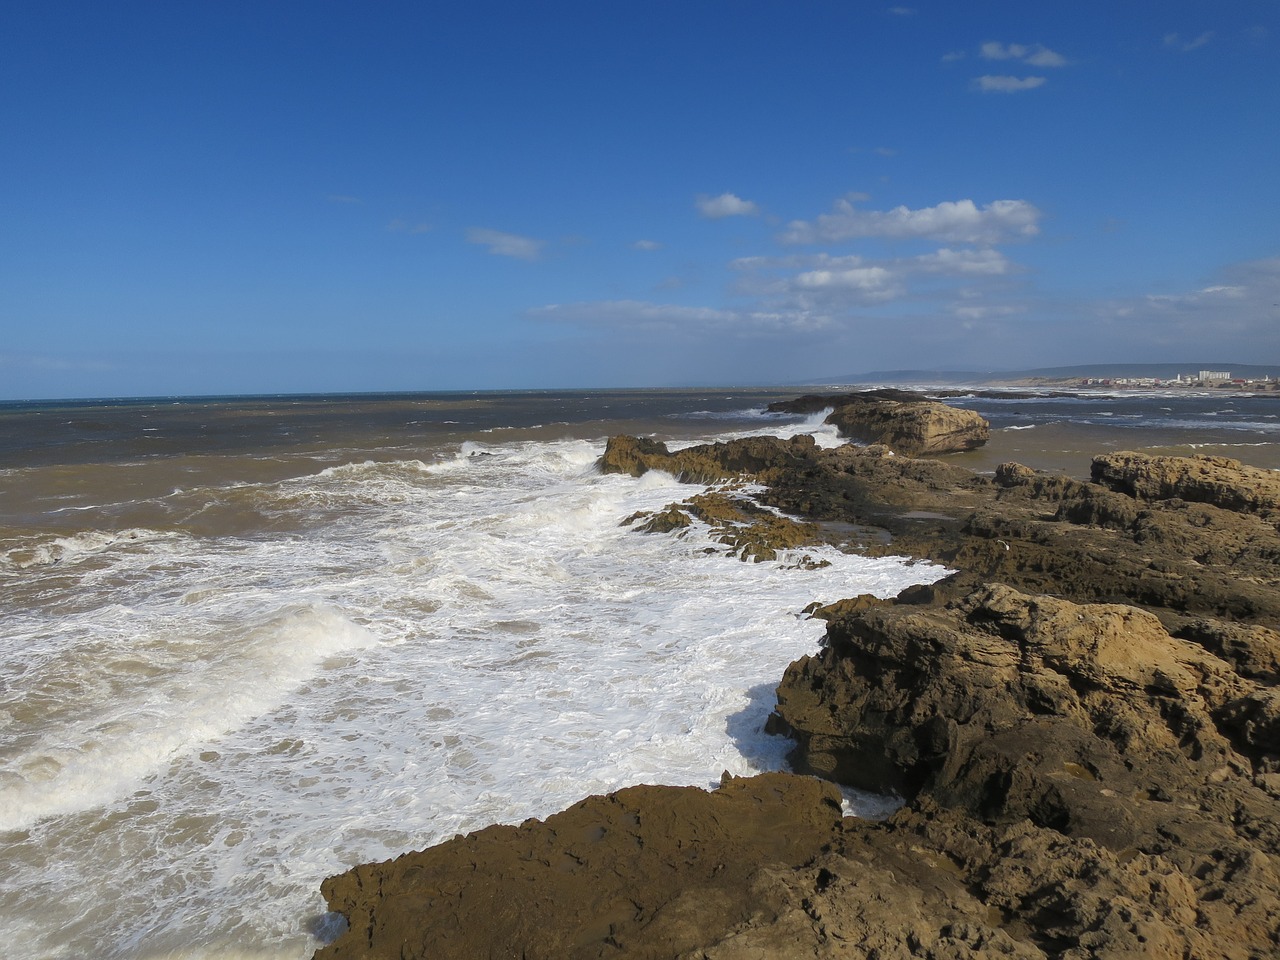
x=1083 y=723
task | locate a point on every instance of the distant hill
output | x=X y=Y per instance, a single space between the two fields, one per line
x=1103 y=371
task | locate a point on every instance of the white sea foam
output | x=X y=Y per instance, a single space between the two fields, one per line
x=212 y=725
x=69 y=550
x=787 y=425
x=1257 y=443
x=153 y=706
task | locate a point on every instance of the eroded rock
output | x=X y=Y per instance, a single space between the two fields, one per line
x=907 y=422
x=750 y=531
x=1084 y=722
x=921 y=428
x=1219 y=481
x=1091 y=742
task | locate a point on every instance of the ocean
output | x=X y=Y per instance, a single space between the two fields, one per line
x=1064 y=433
x=250 y=642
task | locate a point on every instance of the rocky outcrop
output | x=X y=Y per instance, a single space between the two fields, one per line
x=1219 y=481
x=644 y=872
x=907 y=423
x=751 y=532
x=1082 y=731
x=1084 y=724
x=1041 y=533
x=708 y=463
x=960 y=699
x=860 y=485
x=919 y=429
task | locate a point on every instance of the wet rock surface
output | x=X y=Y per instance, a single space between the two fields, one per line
x=1083 y=722
x=751 y=532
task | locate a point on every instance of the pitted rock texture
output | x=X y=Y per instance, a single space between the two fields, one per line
x=1086 y=740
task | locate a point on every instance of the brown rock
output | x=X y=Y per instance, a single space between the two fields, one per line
x=707 y=463
x=913 y=429
x=644 y=872
x=1219 y=481
x=747 y=529
x=1094 y=744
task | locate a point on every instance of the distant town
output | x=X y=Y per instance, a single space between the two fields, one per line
x=1204 y=375
x=1201 y=380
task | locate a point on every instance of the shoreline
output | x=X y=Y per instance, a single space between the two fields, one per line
x=1039 y=731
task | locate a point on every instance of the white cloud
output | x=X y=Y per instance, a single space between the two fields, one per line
x=849 y=286
x=972 y=313
x=987 y=262
x=725 y=205
x=945 y=261
x=989 y=83
x=1236 y=318
x=1036 y=55
x=998 y=51
x=952 y=221
x=646 y=245
x=903 y=11
x=1173 y=41
x=643 y=316
x=506 y=244
x=1203 y=296
x=953 y=56
x=875 y=282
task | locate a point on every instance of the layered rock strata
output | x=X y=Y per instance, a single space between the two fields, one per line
x=1133 y=773
x=1084 y=723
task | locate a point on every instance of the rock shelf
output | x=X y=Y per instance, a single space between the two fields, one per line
x=1083 y=724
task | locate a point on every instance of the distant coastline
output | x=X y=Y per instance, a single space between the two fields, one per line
x=1252 y=378
x=1239 y=385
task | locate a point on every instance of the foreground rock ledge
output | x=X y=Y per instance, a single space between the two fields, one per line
x=1082 y=778
x=646 y=871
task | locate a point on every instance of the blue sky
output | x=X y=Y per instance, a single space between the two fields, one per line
x=229 y=197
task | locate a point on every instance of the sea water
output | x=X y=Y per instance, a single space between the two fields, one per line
x=1064 y=432
x=249 y=644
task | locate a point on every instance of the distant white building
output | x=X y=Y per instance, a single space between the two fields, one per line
x=1215 y=374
